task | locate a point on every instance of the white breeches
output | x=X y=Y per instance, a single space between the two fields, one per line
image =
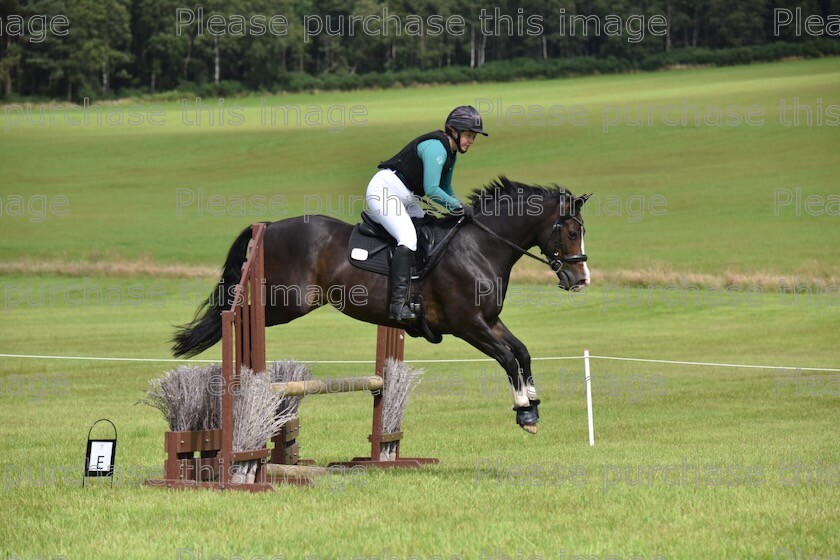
x=391 y=204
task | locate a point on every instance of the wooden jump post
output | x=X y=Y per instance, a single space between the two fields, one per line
x=243 y=343
x=390 y=343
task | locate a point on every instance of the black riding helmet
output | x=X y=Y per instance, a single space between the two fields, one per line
x=462 y=118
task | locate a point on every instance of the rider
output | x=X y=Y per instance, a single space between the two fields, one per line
x=423 y=167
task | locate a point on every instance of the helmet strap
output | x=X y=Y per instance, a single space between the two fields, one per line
x=457 y=139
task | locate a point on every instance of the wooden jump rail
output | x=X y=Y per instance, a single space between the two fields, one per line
x=243 y=343
x=390 y=343
x=322 y=387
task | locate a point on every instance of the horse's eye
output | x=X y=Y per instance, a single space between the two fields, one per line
x=573 y=235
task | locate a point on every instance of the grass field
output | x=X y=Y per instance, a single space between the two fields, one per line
x=141 y=188
x=690 y=461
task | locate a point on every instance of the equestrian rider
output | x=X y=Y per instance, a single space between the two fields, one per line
x=422 y=168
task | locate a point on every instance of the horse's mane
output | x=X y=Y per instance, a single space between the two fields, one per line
x=505 y=188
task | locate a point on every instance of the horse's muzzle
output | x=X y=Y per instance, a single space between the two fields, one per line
x=571 y=280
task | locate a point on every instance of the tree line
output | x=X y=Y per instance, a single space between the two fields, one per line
x=106 y=48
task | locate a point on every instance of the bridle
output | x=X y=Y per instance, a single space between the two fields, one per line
x=556 y=260
x=556 y=263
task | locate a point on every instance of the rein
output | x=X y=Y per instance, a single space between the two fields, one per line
x=514 y=245
x=556 y=264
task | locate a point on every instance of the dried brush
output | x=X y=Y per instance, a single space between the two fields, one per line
x=256 y=411
x=400 y=380
x=257 y=417
x=283 y=372
x=188 y=397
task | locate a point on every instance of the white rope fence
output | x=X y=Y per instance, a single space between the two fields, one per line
x=436 y=361
x=586 y=357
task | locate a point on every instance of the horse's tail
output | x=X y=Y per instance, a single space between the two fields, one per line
x=205 y=330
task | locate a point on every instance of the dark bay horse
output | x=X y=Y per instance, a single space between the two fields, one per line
x=306 y=261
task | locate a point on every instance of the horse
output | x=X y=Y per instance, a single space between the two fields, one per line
x=306 y=259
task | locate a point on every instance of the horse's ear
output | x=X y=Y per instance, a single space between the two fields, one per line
x=579 y=201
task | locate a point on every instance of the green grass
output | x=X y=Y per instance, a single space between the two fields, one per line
x=498 y=492
x=122 y=182
x=496 y=487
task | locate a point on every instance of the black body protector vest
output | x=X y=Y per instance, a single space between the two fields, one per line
x=409 y=166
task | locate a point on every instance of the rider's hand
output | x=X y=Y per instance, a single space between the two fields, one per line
x=467 y=211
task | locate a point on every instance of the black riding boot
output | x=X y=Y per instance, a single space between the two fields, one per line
x=400 y=278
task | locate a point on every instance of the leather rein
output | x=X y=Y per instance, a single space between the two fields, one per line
x=555 y=263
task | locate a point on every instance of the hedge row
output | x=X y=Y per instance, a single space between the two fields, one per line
x=517 y=69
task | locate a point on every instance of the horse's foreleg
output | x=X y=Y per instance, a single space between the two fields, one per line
x=523 y=357
x=490 y=341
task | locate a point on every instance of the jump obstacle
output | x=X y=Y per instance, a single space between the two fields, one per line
x=243 y=343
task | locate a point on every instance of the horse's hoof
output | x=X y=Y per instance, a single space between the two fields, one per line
x=530 y=428
x=536 y=403
x=527 y=417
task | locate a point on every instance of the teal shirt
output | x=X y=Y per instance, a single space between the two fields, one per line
x=436 y=187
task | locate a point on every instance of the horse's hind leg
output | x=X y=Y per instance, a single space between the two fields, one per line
x=285 y=302
x=290 y=296
x=285 y=311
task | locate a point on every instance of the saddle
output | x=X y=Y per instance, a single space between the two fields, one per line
x=371 y=246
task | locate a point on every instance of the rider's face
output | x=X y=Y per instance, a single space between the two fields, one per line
x=467 y=138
